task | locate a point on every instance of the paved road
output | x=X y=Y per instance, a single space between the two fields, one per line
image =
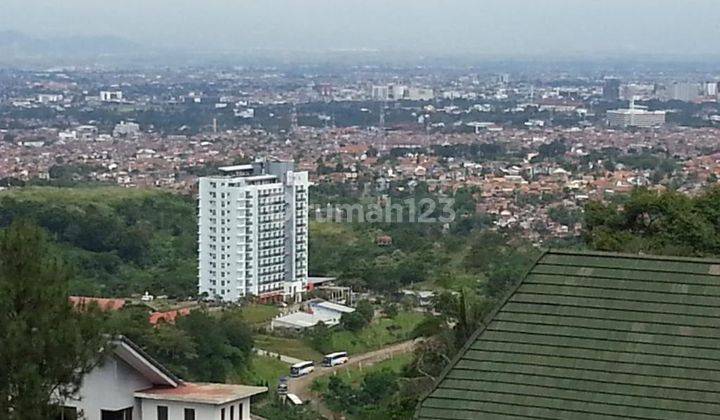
x=301 y=386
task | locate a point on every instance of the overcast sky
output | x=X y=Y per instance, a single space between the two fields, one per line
x=507 y=27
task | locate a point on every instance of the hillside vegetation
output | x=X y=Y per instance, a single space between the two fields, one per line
x=118 y=241
x=123 y=241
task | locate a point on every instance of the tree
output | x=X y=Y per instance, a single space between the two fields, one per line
x=198 y=346
x=501 y=279
x=430 y=326
x=378 y=386
x=464 y=310
x=217 y=344
x=353 y=321
x=174 y=347
x=365 y=308
x=668 y=223
x=319 y=337
x=390 y=309
x=339 y=395
x=564 y=215
x=553 y=149
x=277 y=410
x=47 y=345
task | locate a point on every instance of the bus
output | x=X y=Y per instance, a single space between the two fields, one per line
x=334 y=359
x=301 y=369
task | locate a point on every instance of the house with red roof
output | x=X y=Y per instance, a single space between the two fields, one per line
x=104 y=304
x=168 y=316
x=131 y=385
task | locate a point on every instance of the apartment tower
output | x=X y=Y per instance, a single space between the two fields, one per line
x=253 y=232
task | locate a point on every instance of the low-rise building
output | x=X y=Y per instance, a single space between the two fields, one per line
x=316 y=311
x=635 y=117
x=131 y=385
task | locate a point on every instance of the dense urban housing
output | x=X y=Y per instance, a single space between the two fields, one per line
x=359 y=210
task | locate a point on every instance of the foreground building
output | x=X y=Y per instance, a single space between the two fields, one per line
x=130 y=385
x=593 y=336
x=253 y=232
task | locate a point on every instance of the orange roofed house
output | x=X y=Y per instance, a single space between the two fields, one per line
x=104 y=304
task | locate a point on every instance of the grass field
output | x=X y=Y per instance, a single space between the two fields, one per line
x=378 y=334
x=259 y=314
x=91 y=194
x=265 y=370
x=288 y=346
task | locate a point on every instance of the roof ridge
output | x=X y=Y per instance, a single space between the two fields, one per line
x=627 y=255
x=162 y=368
x=555 y=329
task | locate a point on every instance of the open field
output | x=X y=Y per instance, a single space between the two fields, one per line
x=265 y=370
x=288 y=346
x=378 y=334
x=259 y=314
x=91 y=194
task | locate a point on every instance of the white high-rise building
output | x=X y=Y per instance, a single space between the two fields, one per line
x=686 y=92
x=635 y=117
x=253 y=232
x=710 y=89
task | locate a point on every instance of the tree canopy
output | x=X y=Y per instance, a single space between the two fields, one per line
x=118 y=241
x=47 y=345
x=200 y=346
x=669 y=223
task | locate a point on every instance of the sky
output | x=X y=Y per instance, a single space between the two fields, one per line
x=472 y=27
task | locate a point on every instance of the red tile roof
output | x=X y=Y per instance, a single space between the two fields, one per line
x=204 y=393
x=104 y=304
x=168 y=316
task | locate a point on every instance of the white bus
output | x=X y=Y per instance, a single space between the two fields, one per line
x=301 y=369
x=334 y=359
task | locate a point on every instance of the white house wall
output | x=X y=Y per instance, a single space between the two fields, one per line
x=110 y=386
x=176 y=410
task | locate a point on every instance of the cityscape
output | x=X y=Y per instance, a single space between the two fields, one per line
x=305 y=210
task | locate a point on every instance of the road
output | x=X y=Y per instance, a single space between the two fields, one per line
x=301 y=386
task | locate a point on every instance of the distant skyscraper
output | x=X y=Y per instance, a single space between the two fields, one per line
x=253 y=233
x=687 y=92
x=710 y=89
x=611 y=89
x=502 y=78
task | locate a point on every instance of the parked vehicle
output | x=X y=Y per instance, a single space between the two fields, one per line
x=334 y=359
x=302 y=369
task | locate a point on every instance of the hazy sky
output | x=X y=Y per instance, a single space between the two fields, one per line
x=511 y=27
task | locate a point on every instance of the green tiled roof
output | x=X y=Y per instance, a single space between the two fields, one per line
x=593 y=336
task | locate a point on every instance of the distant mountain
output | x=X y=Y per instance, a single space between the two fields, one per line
x=11 y=37
x=20 y=45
